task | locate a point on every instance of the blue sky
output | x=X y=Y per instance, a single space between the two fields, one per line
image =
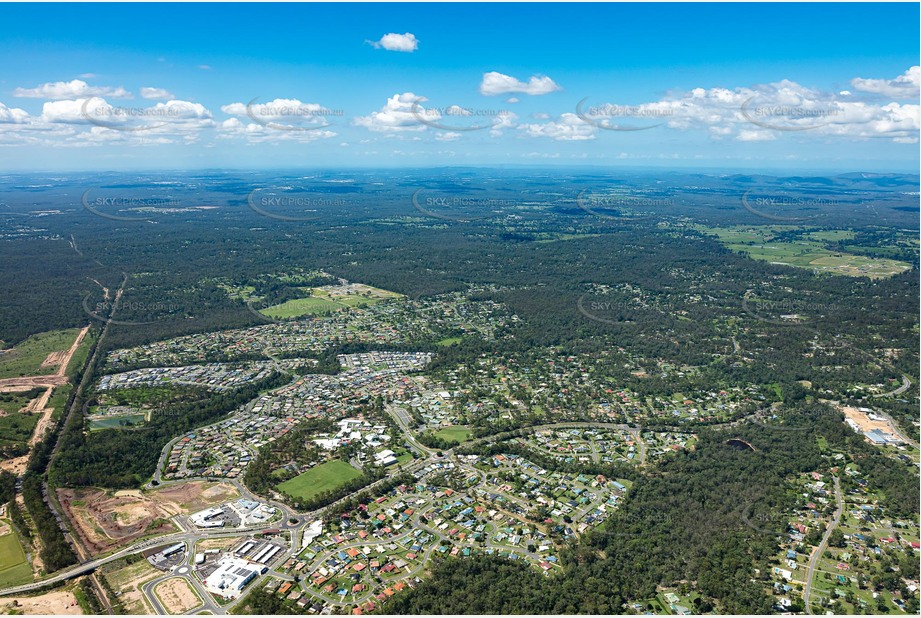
x=746 y=86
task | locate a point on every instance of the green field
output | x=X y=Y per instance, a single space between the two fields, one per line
x=16 y=429
x=13 y=566
x=26 y=358
x=449 y=341
x=759 y=244
x=327 y=299
x=325 y=477
x=59 y=400
x=301 y=306
x=457 y=433
x=82 y=351
x=12 y=403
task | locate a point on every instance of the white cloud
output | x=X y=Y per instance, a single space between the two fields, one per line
x=496 y=83
x=503 y=121
x=541 y=155
x=284 y=114
x=270 y=131
x=448 y=136
x=70 y=90
x=751 y=135
x=765 y=112
x=12 y=115
x=397 y=42
x=905 y=86
x=156 y=93
x=512 y=100
x=569 y=127
x=204 y=67
x=396 y=115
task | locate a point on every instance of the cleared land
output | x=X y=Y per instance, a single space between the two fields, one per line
x=53 y=603
x=759 y=244
x=457 y=433
x=105 y=520
x=330 y=298
x=325 y=477
x=300 y=307
x=28 y=357
x=177 y=596
x=865 y=422
x=127 y=580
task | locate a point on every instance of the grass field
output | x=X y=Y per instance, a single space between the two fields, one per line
x=318 y=479
x=300 y=307
x=12 y=403
x=26 y=358
x=17 y=429
x=13 y=566
x=759 y=244
x=82 y=351
x=457 y=433
x=329 y=298
x=59 y=400
x=449 y=341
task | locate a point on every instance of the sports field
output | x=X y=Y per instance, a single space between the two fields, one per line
x=457 y=433
x=13 y=566
x=449 y=341
x=325 y=477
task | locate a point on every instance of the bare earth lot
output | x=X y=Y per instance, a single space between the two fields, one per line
x=52 y=603
x=863 y=421
x=106 y=521
x=177 y=596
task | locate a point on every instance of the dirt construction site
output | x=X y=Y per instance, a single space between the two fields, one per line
x=177 y=596
x=58 y=602
x=108 y=520
x=864 y=422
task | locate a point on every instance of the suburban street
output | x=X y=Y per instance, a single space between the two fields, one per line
x=817 y=554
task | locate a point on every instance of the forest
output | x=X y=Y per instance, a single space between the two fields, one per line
x=669 y=294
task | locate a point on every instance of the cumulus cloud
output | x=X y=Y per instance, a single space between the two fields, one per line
x=12 y=115
x=503 y=121
x=400 y=113
x=70 y=90
x=905 y=86
x=284 y=114
x=569 y=127
x=496 y=83
x=764 y=112
x=448 y=136
x=752 y=135
x=97 y=121
x=397 y=42
x=156 y=93
x=280 y=120
x=254 y=133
